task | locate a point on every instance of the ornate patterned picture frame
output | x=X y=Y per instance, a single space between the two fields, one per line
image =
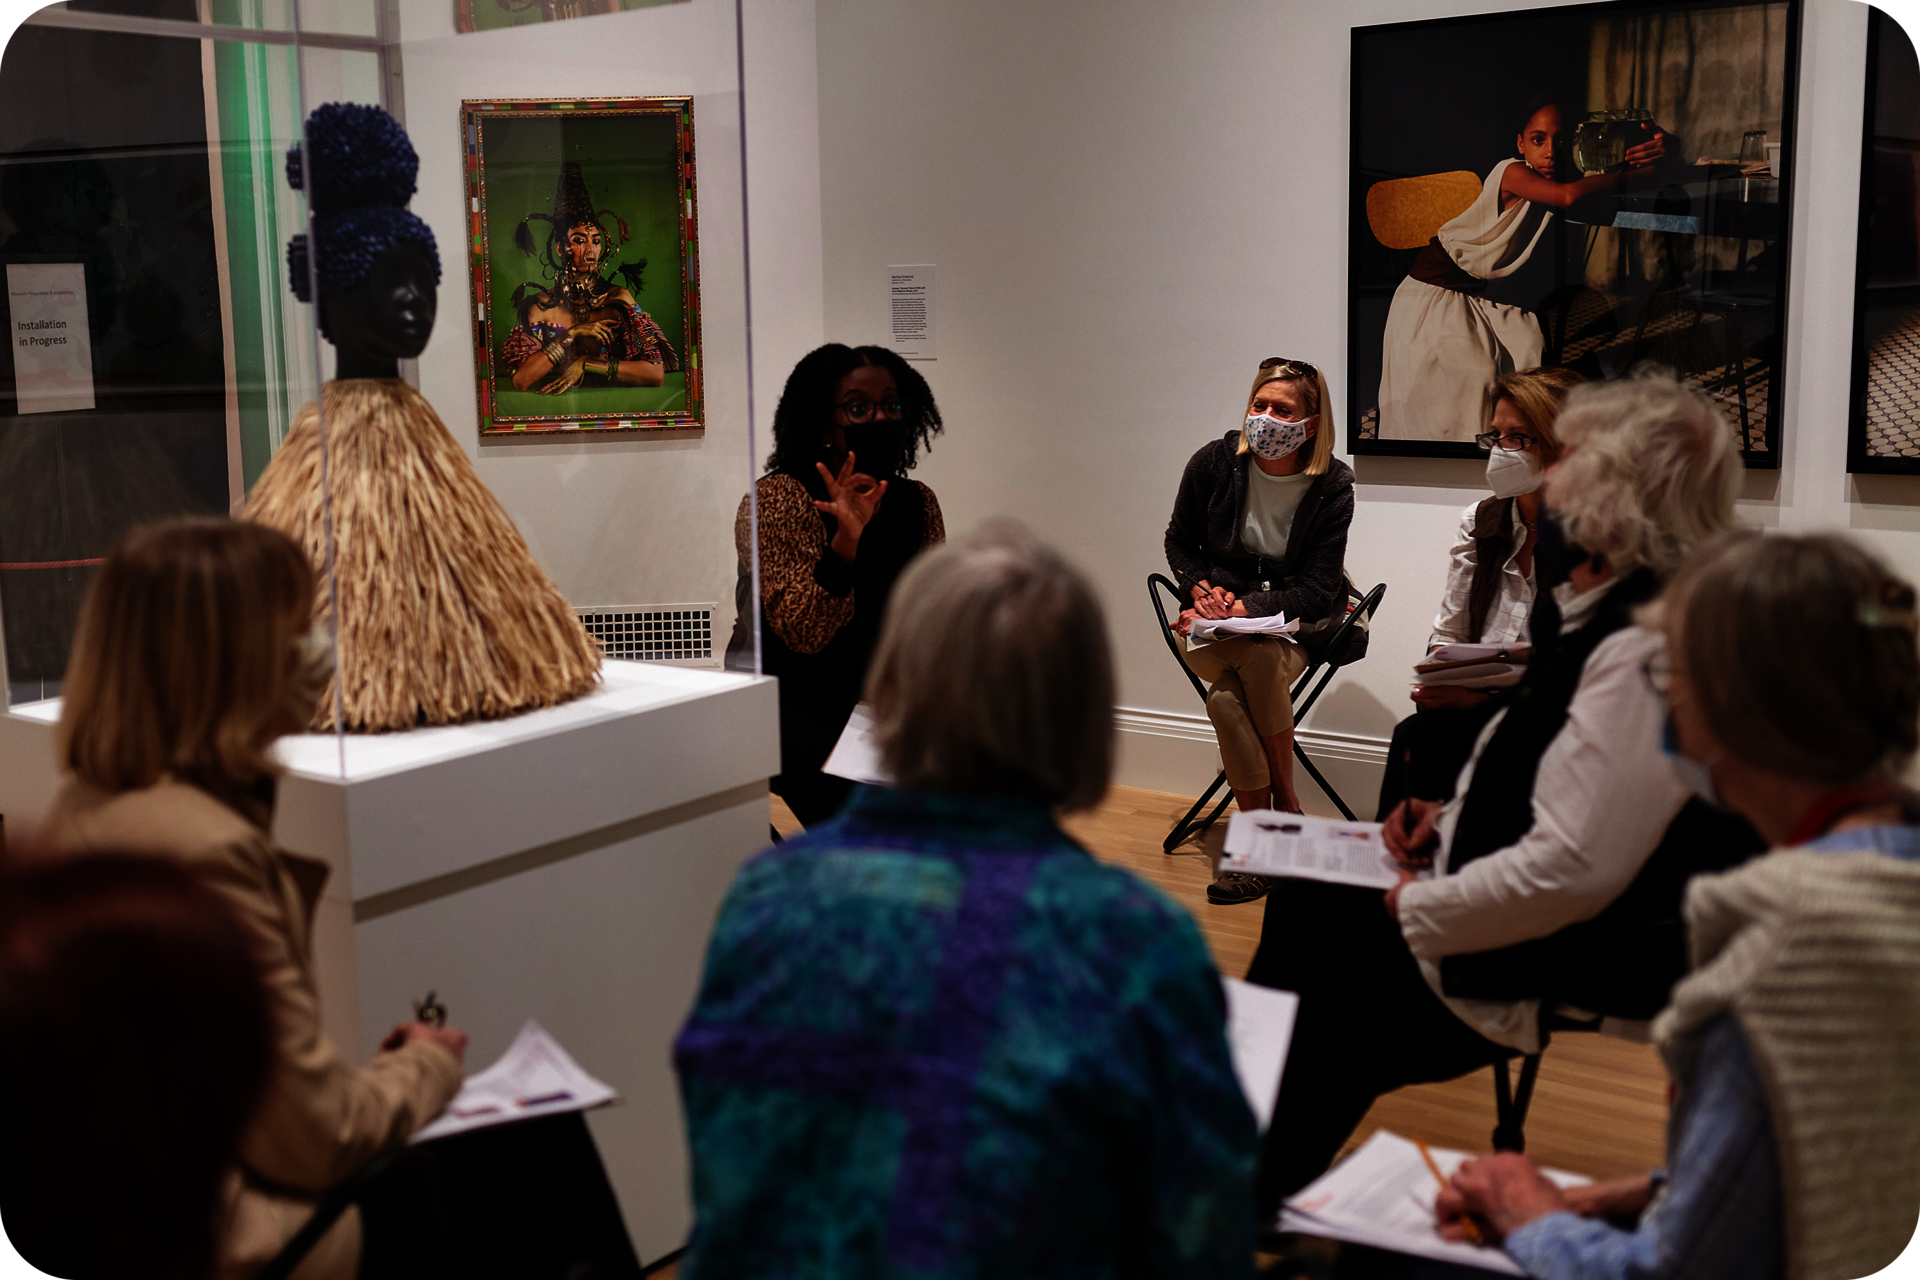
x=584 y=261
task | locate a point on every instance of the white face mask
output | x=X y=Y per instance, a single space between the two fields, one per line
x=1510 y=473
x=1693 y=775
x=1274 y=438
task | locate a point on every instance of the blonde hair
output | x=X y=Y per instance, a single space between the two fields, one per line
x=1313 y=391
x=1800 y=653
x=993 y=674
x=186 y=660
x=1648 y=471
x=1537 y=395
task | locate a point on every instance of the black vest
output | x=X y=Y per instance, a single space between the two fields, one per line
x=1603 y=957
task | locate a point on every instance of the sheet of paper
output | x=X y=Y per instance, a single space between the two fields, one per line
x=1383 y=1195
x=52 y=347
x=855 y=756
x=910 y=309
x=1259 y=1031
x=1277 y=624
x=534 y=1077
x=1267 y=842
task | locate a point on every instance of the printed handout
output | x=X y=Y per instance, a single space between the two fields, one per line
x=1267 y=842
x=534 y=1077
x=1382 y=1195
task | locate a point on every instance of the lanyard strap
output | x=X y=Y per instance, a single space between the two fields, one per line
x=1823 y=813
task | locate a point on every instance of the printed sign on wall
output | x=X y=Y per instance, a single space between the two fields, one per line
x=52 y=351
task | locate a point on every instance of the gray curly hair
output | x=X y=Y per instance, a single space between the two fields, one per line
x=1648 y=471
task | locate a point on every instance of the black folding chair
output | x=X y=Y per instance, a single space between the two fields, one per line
x=1314 y=681
x=1644 y=994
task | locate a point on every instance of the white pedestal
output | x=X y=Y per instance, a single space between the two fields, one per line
x=565 y=865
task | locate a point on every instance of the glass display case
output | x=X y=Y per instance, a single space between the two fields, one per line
x=145 y=206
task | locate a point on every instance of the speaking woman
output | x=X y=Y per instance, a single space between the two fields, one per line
x=1260 y=528
x=838 y=523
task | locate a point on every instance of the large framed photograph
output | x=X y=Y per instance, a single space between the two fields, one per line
x=585 y=264
x=1883 y=435
x=1600 y=186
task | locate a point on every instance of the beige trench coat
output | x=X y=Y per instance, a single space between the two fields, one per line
x=321 y=1118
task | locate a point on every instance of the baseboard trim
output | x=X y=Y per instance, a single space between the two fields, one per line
x=1193 y=727
x=1176 y=751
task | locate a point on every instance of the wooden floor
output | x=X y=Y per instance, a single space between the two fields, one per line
x=1601 y=1104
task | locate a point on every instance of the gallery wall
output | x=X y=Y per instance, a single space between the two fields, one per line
x=637 y=518
x=1131 y=204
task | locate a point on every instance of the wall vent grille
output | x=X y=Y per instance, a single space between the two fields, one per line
x=678 y=633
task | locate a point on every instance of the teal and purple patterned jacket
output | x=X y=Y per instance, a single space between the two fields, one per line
x=936 y=1039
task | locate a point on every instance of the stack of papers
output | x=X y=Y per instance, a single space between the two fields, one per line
x=1382 y=1195
x=534 y=1077
x=1267 y=842
x=1473 y=666
x=1277 y=624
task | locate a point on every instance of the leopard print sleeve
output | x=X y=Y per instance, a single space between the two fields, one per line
x=806 y=592
x=936 y=523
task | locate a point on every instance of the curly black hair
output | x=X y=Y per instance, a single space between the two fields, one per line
x=807 y=403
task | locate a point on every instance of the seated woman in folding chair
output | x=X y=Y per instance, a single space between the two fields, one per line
x=1260 y=528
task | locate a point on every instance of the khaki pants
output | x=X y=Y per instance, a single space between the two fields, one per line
x=1249 y=698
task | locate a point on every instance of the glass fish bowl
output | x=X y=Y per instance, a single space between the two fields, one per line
x=1601 y=139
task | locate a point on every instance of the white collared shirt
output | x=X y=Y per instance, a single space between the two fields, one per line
x=1602 y=799
x=1506 y=621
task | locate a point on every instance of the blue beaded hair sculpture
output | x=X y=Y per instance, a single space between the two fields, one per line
x=357 y=181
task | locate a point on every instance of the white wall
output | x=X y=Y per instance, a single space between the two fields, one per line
x=1131 y=204
x=634 y=519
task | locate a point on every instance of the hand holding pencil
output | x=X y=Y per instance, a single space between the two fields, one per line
x=1490 y=1198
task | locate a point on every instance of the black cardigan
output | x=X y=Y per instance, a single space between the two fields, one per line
x=1203 y=538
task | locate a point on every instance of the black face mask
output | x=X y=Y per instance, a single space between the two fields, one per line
x=879 y=447
x=1555 y=556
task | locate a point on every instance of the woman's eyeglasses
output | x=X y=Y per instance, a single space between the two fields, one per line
x=1291 y=368
x=862 y=410
x=1658 y=673
x=1511 y=443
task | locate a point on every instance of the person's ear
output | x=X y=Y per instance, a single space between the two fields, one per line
x=1313 y=425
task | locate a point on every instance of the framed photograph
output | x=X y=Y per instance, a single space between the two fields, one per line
x=586 y=270
x=1883 y=434
x=1600 y=186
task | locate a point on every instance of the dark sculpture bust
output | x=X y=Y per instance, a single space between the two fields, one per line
x=375 y=264
x=386 y=317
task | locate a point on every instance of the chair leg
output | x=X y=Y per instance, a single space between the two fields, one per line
x=1510 y=1106
x=1322 y=783
x=1187 y=827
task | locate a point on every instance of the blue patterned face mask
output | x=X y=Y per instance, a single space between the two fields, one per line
x=1274 y=438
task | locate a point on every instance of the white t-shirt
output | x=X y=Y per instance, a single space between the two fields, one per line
x=1271 y=502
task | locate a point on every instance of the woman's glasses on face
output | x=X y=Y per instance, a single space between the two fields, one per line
x=1292 y=368
x=1658 y=673
x=1511 y=443
x=862 y=410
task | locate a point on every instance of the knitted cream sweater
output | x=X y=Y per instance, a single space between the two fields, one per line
x=1818 y=956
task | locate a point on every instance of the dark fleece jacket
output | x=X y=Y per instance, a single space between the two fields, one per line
x=1203 y=538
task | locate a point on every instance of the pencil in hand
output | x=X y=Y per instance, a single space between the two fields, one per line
x=1467 y=1223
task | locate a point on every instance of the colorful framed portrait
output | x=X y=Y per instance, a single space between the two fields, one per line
x=585 y=264
x=1883 y=433
x=1603 y=187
